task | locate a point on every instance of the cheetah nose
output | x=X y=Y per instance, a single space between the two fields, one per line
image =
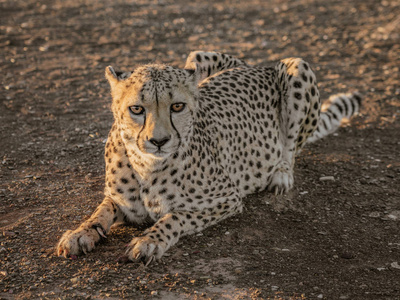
x=159 y=142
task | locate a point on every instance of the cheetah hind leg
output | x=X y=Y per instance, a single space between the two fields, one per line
x=282 y=179
x=299 y=110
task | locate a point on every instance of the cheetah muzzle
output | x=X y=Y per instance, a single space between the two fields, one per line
x=188 y=144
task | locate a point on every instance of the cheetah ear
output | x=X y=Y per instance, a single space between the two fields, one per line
x=112 y=77
x=194 y=71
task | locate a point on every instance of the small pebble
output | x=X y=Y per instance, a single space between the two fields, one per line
x=75 y=279
x=374 y=214
x=395 y=265
x=326 y=178
x=394 y=215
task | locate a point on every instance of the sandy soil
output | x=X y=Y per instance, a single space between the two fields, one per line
x=336 y=239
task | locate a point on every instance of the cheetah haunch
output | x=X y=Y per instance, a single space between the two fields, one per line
x=187 y=145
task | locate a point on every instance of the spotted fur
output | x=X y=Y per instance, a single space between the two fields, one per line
x=188 y=144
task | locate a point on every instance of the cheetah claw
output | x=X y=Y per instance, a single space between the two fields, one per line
x=150 y=259
x=81 y=240
x=100 y=230
x=144 y=249
x=146 y=260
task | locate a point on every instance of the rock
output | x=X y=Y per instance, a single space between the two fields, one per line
x=395 y=265
x=75 y=279
x=374 y=214
x=394 y=215
x=327 y=178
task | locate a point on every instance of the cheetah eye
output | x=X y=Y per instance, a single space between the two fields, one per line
x=177 y=107
x=136 y=110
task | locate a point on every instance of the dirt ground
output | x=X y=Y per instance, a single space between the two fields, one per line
x=335 y=239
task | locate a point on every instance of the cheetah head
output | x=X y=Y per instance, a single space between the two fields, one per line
x=154 y=107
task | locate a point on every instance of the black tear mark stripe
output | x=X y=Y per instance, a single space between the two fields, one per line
x=173 y=126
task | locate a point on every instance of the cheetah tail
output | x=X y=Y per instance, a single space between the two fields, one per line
x=338 y=108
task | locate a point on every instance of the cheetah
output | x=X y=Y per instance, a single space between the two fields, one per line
x=188 y=144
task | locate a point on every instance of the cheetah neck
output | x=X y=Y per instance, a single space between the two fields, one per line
x=147 y=167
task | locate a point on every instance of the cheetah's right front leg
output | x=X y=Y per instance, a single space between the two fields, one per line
x=84 y=238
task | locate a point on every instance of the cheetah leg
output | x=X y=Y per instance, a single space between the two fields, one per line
x=209 y=63
x=90 y=232
x=282 y=179
x=156 y=240
x=299 y=111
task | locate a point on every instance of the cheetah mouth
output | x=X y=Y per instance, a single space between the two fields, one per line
x=160 y=153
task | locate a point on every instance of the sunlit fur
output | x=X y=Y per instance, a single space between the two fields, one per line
x=238 y=133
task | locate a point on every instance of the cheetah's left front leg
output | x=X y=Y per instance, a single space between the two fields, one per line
x=156 y=240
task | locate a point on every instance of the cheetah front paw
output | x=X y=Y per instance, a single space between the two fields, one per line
x=282 y=179
x=81 y=240
x=146 y=248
